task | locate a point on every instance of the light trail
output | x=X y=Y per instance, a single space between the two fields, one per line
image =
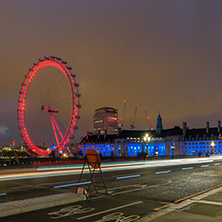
x=2 y=194
x=50 y=171
x=74 y=184
x=59 y=168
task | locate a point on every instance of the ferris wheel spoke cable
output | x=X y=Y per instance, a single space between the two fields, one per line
x=56 y=83
x=60 y=123
x=59 y=100
x=48 y=79
x=59 y=96
x=35 y=127
x=38 y=87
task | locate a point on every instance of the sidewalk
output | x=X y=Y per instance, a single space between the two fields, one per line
x=206 y=207
x=38 y=203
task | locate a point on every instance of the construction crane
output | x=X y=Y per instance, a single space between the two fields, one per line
x=12 y=142
x=149 y=123
x=133 y=122
x=147 y=118
x=122 y=118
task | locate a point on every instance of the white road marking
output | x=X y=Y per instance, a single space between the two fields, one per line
x=168 y=171
x=93 y=198
x=209 y=202
x=126 y=177
x=70 y=210
x=205 y=166
x=112 y=209
x=118 y=216
x=187 y=168
x=123 y=187
x=216 y=164
x=127 y=191
x=22 y=187
x=43 y=184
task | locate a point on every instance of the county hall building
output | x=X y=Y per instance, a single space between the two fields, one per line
x=162 y=142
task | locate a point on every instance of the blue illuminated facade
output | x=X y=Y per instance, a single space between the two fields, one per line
x=135 y=146
x=106 y=149
x=194 y=147
x=203 y=140
x=103 y=144
x=154 y=149
x=175 y=141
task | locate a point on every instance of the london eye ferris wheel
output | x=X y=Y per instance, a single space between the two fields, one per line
x=48 y=105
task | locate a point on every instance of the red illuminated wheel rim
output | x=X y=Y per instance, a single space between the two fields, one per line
x=48 y=106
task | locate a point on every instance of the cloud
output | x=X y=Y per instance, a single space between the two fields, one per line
x=3 y=130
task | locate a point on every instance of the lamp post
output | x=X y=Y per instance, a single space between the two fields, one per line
x=212 y=147
x=147 y=139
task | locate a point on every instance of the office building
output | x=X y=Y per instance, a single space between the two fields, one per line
x=105 y=121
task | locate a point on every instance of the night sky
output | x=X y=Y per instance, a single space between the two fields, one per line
x=164 y=55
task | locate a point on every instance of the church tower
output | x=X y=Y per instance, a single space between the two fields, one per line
x=159 y=126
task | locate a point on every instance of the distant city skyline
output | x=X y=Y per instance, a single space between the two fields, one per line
x=161 y=55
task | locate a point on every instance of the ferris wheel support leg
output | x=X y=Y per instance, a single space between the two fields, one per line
x=57 y=127
x=53 y=127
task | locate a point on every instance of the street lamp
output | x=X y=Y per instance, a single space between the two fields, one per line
x=147 y=139
x=212 y=147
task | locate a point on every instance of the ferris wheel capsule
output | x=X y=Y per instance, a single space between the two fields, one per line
x=78 y=94
x=64 y=62
x=69 y=67
x=52 y=56
x=77 y=116
x=46 y=57
x=73 y=75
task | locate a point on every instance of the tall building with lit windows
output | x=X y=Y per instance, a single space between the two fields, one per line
x=106 y=121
